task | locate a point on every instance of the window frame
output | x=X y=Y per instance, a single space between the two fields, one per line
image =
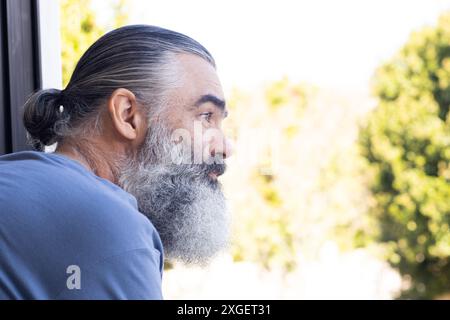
x=30 y=50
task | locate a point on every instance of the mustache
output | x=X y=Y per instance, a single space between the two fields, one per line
x=216 y=168
x=202 y=169
x=182 y=173
x=215 y=164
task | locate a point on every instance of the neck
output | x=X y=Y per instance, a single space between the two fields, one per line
x=91 y=156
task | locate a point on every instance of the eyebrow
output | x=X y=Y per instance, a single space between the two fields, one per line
x=219 y=103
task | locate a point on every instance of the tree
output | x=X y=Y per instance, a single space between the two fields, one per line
x=406 y=142
x=80 y=28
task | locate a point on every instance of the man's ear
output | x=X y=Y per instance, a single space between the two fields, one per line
x=125 y=116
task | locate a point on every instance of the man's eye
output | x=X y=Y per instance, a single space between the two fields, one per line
x=206 y=116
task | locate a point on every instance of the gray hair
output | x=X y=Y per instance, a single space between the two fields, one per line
x=139 y=58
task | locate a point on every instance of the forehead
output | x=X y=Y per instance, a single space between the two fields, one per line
x=198 y=77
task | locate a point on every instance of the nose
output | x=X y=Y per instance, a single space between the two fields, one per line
x=222 y=146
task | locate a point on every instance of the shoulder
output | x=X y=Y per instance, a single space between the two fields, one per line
x=57 y=214
x=49 y=197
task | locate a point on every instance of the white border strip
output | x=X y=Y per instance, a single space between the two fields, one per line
x=50 y=44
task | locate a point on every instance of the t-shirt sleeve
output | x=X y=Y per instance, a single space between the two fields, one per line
x=133 y=274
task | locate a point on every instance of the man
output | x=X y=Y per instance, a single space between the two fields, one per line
x=139 y=150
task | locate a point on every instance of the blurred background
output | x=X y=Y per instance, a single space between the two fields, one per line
x=340 y=182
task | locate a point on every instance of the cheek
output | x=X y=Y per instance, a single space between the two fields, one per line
x=191 y=134
x=201 y=140
x=198 y=138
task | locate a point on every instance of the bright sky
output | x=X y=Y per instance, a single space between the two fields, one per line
x=330 y=43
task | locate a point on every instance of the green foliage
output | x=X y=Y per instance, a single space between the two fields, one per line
x=78 y=31
x=406 y=142
x=282 y=92
x=80 y=28
x=264 y=233
x=290 y=190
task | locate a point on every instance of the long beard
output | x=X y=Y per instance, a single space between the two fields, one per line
x=186 y=206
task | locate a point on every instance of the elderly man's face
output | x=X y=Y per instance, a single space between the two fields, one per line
x=174 y=177
x=196 y=109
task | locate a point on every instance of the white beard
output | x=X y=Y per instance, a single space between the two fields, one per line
x=187 y=208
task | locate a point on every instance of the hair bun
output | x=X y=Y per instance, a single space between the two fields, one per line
x=42 y=117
